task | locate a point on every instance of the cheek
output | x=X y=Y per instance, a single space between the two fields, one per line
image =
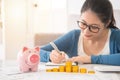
x=96 y=35
x=86 y=32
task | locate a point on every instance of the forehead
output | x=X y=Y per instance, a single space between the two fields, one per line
x=90 y=17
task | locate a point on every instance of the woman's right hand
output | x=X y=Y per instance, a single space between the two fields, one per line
x=56 y=57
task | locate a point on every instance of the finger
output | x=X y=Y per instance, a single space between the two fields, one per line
x=73 y=59
x=63 y=55
x=54 y=52
x=52 y=56
x=55 y=59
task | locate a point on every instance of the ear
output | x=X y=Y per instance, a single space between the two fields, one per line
x=37 y=48
x=24 y=49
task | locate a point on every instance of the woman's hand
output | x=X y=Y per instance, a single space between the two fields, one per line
x=80 y=59
x=56 y=57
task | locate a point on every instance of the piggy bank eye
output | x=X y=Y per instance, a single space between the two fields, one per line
x=29 y=51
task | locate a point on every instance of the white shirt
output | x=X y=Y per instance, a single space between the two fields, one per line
x=104 y=51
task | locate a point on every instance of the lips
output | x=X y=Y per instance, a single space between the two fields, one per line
x=87 y=35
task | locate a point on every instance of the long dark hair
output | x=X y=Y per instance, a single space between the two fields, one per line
x=103 y=9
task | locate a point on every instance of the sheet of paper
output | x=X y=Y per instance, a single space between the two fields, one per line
x=13 y=73
x=107 y=68
x=106 y=76
x=55 y=64
x=11 y=70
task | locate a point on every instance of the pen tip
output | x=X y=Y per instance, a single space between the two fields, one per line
x=76 y=63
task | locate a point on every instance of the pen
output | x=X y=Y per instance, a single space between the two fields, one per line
x=55 y=47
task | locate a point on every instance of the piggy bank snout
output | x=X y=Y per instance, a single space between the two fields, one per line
x=34 y=58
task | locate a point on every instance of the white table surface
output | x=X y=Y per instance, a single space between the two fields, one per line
x=10 y=71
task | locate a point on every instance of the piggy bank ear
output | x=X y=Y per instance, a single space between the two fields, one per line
x=24 y=49
x=37 y=48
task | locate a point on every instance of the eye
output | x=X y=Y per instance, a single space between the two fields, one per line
x=94 y=27
x=83 y=23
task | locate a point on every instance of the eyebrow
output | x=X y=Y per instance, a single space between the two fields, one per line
x=90 y=24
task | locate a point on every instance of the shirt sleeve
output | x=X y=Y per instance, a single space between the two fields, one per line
x=44 y=55
x=63 y=43
x=113 y=59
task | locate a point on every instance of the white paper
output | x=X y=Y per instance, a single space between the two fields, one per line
x=55 y=64
x=107 y=68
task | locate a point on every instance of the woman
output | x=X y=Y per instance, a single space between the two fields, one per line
x=97 y=41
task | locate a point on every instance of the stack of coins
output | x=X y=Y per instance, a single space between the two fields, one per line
x=83 y=70
x=61 y=68
x=68 y=67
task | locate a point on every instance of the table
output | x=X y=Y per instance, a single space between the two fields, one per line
x=10 y=71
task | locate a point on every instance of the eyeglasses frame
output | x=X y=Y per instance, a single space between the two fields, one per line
x=89 y=26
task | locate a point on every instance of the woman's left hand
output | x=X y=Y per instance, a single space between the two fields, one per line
x=80 y=59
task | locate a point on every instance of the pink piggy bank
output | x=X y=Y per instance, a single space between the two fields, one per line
x=29 y=59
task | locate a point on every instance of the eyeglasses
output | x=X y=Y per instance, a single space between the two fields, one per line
x=92 y=28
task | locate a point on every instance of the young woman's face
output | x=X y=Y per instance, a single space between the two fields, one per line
x=90 y=25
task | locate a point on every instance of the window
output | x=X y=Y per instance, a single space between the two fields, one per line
x=48 y=16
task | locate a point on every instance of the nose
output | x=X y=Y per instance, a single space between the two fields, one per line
x=87 y=30
x=34 y=58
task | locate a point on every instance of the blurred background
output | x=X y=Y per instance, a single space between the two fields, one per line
x=21 y=20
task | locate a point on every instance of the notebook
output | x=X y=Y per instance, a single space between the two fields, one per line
x=55 y=64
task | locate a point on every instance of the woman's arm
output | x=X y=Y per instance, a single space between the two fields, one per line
x=64 y=43
x=113 y=59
